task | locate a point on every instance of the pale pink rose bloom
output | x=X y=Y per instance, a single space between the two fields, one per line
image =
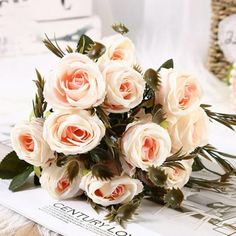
x=180 y=93
x=27 y=140
x=176 y=176
x=73 y=132
x=145 y=144
x=125 y=88
x=76 y=83
x=190 y=131
x=118 y=48
x=118 y=190
x=55 y=181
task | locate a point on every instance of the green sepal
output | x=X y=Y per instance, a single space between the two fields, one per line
x=157 y=176
x=120 y=28
x=167 y=65
x=85 y=43
x=37 y=171
x=174 y=197
x=151 y=78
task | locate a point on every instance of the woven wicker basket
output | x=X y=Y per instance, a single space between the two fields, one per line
x=217 y=62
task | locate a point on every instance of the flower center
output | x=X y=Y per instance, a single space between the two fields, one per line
x=175 y=173
x=27 y=142
x=188 y=92
x=77 y=80
x=149 y=149
x=126 y=90
x=63 y=184
x=118 y=192
x=117 y=55
x=73 y=133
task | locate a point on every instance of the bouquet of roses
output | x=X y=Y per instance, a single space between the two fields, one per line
x=105 y=130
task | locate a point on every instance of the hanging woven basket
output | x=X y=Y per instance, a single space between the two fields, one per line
x=223 y=15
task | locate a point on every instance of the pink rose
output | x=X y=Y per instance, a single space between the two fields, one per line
x=73 y=132
x=27 y=140
x=118 y=48
x=76 y=83
x=118 y=190
x=176 y=176
x=55 y=180
x=125 y=88
x=180 y=93
x=189 y=131
x=145 y=144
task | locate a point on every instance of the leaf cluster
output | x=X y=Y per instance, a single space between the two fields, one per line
x=13 y=168
x=228 y=120
x=210 y=153
x=125 y=212
x=92 y=49
x=72 y=169
x=54 y=48
x=174 y=197
x=39 y=103
x=120 y=28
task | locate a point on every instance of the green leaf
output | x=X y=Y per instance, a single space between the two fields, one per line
x=102 y=172
x=20 y=179
x=94 y=205
x=164 y=124
x=99 y=155
x=213 y=184
x=96 y=51
x=73 y=168
x=61 y=159
x=157 y=176
x=69 y=49
x=174 y=197
x=12 y=166
x=124 y=212
x=138 y=68
x=210 y=152
x=174 y=164
x=158 y=116
x=179 y=156
x=228 y=120
x=85 y=43
x=103 y=116
x=54 y=48
x=152 y=79
x=167 y=65
x=197 y=165
x=39 y=104
x=120 y=28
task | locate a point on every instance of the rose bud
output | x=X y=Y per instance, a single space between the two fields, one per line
x=177 y=177
x=118 y=48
